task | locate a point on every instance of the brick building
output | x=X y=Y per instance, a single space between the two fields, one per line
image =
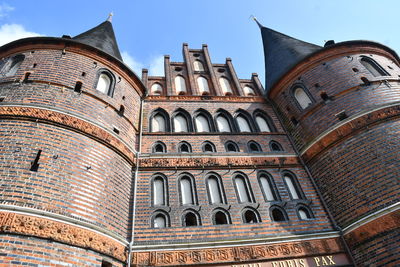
x=102 y=168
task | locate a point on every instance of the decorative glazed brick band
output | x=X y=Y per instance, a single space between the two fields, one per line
x=216 y=162
x=237 y=254
x=21 y=224
x=386 y=223
x=224 y=99
x=349 y=128
x=70 y=122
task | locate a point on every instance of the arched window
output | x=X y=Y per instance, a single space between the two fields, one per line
x=180 y=123
x=156 y=89
x=223 y=124
x=242 y=189
x=275 y=146
x=159 y=191
x=207 y=146
x=225 y=86
x=220 y=217
x=198 y=65
x=180 y=85
x=190 y=218
x=105 y=82
x=202 y=83
x=250 y=216
x=278 y=214
x=159 y=147
x=301 y=97
x=248 y=91
x=160 y=220
x=184 y=147
x=186 y=187
x=12 y=65
x=231 y=147
x=243 y=123
x=159 y=121
x=304 y=213
x=268 y=187
x=374 y=68
x=254 y=147
x=262 y=124
x=202 y=124
x=292 y=185
x=215 y=192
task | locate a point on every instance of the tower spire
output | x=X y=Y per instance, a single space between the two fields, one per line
x=258 y=23
x=109 y=19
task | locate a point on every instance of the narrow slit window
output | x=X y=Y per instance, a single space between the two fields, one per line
x=214 y=190
x=302 y=98
x=242 y=189
x=267 y=188
x=186 y=191
x=158 y=191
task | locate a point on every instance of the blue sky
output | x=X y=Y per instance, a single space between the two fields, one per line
x=147 y=30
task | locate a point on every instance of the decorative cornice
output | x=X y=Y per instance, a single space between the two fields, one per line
x=238 y=161
x=237 y=254
x=71 y=122
x=21 y=224
x=348 y=127
x=237 y=99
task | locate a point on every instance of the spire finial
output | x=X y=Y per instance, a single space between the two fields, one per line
x=110 y=16
x=258 y=23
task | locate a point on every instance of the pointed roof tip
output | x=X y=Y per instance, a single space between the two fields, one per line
x=258 y=23
x=109 y=19
x=282 y=52
x=101 y=37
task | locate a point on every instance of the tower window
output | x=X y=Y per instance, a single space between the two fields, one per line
x=160 y=220
x=186 y=187
x=275 y=146
x=159 y=191
x=254 y=147
x=214 y=190
x=268 y=187
x=374 y=68
x=301 y=97
x=223 y=124
x=304 y=213
x=191 y=219
x=292 y=186
x=242 y=189
x=78 y=87
x=159 y=147
x=12 y=65
x=208 y=147
x=243 y=123
x=105 y=82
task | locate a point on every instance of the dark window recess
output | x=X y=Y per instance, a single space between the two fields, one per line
x=26 y=77
x=294 y=121
x=208 y=148
x=63 y=52
x=35 y=163
x=317 y=85
x=116 y=130
x=83 y=74
x=341 y=115
x=250 y=217
x=231 y=148
x=220 y=218
x=355 y=69
x=190 y=219
x=185 y=148
x=34 y=65
x=178 y=69
x=365 y=81
x=105 y=263
x=276 y=147
x=277 y=215
x=159 y=148
x=325 y=96
x=78 y=87
x=2 y=98
x=390 y=67
x=121 y=110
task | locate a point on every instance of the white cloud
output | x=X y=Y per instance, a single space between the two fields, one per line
x=12 y=32
x=5 y=9
x=155 y=66
x=135 y=65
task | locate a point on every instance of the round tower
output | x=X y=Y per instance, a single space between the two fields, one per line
x=69 y=115
x=340 y=105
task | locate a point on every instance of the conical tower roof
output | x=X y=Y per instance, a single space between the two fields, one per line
x=281 y=53
x=101 y=37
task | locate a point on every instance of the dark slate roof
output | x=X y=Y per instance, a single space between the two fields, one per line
x=281 y=53
x=101 y=37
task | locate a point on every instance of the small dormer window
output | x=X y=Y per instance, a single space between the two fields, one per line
x=374 y=68
x=105 y=83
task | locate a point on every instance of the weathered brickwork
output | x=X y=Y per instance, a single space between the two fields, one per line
x=31 y=251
